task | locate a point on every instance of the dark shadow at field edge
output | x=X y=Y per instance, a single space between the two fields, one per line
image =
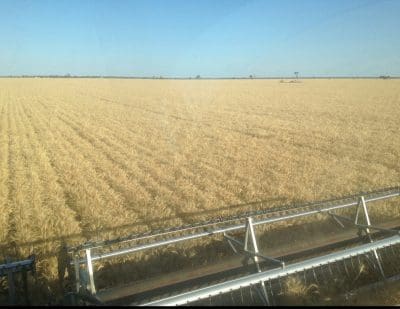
x=88 y=235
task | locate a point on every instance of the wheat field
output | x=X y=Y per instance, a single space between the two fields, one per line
x=84 y=159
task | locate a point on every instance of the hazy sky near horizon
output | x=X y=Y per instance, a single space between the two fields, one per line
x=214 y=38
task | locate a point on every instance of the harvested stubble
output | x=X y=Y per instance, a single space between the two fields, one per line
x=97 y=158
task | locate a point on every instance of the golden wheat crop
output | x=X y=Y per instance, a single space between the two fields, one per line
x=95 y=158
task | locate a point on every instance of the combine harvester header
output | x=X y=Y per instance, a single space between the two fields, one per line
x=380 y=253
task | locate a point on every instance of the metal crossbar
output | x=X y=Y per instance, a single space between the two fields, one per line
x=252 y=253
x=363 y=226
x=217 y=228
x=25 y=265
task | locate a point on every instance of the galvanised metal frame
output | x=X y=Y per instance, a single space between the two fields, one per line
x=257 y=278
x=10 y=268
x=213 y=228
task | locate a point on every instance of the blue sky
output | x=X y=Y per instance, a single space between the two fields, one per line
x=214 y=38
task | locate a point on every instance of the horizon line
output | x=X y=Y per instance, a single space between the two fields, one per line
x=199 y=77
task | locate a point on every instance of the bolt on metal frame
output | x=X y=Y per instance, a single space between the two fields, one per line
x=85 y=277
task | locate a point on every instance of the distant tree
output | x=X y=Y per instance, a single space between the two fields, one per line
x=251 y=76
x=296 y=74
x=197 y=76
